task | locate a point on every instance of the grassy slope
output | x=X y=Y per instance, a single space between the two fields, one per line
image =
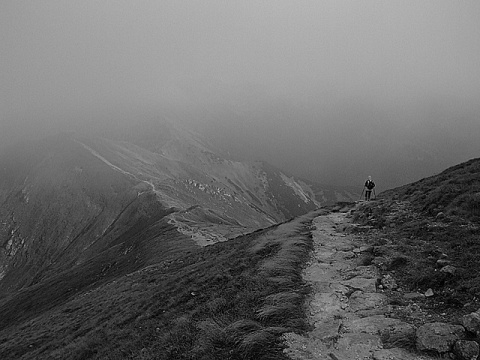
x=455 y=192
x=157 y=241
x=415 y=226
x=231 y=300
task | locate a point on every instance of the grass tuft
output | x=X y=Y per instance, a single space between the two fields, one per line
x=256 y=343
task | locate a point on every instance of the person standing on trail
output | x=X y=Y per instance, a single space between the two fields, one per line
x=369 y=186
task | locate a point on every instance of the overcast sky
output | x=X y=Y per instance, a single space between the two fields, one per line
x=332 y=90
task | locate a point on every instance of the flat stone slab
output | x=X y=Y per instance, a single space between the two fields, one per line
x=356 y=346
x=398 y=354
x=322 y=286
x=438 y=336
x=413 y=296
x=319 y=273
x=371 y=325
x=330 y=287
x=327 y=305
x=361 y=283
x=381 y=310
x=359 y=301
x=344 y=247
x=325 y=256
x=390 y=330
x=368 y=272
x=342 y=255
x=326 y=330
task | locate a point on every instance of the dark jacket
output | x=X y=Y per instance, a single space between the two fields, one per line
x=369 y=184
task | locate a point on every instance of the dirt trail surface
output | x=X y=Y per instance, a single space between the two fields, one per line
x=348 y=316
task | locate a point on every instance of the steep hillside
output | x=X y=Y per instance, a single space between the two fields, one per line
x=426 y=234
x=454 y=193
x=64 y=213
x=106 y=204
x=216 y=197
x=231 y=300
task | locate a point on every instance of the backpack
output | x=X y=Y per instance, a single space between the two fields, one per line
x=369 y=184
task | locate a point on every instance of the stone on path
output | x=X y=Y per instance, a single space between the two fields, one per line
x=342 y=255
x=413 y=296
x=449 y=269
x=366 y=301
x=361 y=283
x=466 y=350
x=326 y=330
x=344 y=247
x=429 y=293
x=439 y=337
x=366 y=271
x=471 y=322
x=357 y=346
x=390 y=330
x=325 y=305
x=396 y=354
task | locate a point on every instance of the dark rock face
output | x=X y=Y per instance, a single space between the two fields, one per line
x=439 y=337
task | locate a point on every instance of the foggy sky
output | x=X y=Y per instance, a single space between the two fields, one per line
x=330 y=90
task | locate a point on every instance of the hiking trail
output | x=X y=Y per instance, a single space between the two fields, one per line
x=349 y=316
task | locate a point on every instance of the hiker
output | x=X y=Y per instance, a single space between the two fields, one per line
x=369 y=186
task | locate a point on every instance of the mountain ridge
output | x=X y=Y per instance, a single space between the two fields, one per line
x=70 y=196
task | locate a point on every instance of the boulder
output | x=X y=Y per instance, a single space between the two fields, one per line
x=439 y=337
x=471 y=322
x=466 y=350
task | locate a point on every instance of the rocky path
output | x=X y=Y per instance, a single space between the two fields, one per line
x=349 y=316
